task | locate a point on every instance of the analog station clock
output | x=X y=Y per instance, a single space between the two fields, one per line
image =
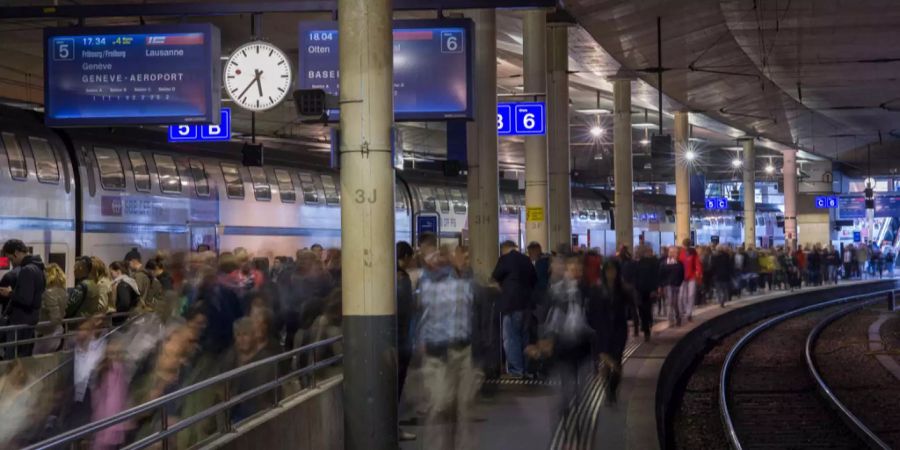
x=257 y=76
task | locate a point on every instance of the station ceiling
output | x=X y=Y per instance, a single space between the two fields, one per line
x=734 y=65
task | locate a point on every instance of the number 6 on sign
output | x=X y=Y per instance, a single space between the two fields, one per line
x=451 y=42
x=529 y=118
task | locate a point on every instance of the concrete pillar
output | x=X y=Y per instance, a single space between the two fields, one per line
x=367 y=225
x=789 y=172
x=749 y=169
x=560 y=217
x=682 y=179
x=535 y=73
x=483 y=183
x=623 y=172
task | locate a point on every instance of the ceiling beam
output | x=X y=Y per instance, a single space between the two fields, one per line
x=243 y=7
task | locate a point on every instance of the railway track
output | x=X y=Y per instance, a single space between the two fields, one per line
x=771 y=393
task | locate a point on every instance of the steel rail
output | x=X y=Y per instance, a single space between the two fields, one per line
x=850 y=419
x=727 y=421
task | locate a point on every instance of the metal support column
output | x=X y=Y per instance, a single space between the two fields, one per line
x=789 y=172
x=535 y=71
x=367 y=225
x=560 y=217
x=623 y=160
x=749 y=169
x=483 y=180
x=682 y=179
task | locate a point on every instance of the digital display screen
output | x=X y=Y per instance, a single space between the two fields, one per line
x=432 y=66
x=153 y=74
x=851 y=207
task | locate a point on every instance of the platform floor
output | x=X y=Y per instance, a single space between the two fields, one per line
x=522 y=415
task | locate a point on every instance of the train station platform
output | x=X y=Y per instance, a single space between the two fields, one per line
x=522 y=414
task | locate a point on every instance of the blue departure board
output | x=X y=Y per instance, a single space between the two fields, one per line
x=432 y=66
x=152 y=74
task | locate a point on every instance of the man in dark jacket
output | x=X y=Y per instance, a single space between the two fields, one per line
x=517 y=279
x=25 y=298
x=646 y=284
x=722 y=274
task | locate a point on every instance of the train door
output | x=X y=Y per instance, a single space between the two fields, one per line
x=205 y=237
x=61 y=254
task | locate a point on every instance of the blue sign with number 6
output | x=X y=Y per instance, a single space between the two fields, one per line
x=521 y=119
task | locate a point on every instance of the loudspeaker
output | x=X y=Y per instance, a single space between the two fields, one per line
x=252 y=155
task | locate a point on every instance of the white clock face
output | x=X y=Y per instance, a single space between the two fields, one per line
x=257 y=76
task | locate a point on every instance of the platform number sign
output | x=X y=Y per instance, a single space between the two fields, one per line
x=203 y=133
x=826 y=202
x=521 y=119
x=452 y=42
x=715 y=203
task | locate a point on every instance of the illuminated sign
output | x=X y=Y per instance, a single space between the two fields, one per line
x=152 y=74
x=432 y=66
x=521 y=119
x=826 y=202
x=716 y=203
x=203 y=133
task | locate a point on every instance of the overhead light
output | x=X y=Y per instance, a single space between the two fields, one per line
x=644 y=125
x=644 y=142
x=593 y=111
x=736 y=162
x=696 y=139
x=770 y=169
x=596 y=131
x=733 y=148
x=690 y=155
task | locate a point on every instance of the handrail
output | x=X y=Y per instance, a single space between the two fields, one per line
x=849 y=418
x=91 y=428
x=730 y=432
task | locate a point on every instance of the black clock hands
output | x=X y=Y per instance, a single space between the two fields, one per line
x=259 y=83
x=254 y=80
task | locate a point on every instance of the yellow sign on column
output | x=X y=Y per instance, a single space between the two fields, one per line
x=534 y=214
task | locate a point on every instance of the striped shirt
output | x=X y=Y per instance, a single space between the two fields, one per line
x=447 y=301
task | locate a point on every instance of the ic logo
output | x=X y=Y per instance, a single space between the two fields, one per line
x=156 y=40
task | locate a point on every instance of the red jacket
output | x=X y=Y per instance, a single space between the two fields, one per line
x=693 y=270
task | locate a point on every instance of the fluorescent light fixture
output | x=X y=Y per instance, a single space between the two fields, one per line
x=736 y=162
x=596 y=131
x=593 y=111
x=644 y=142
x=690 y=155
x=733 y=148
x=644 y=125
x=696 y=139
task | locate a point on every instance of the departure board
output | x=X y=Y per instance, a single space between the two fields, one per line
x=432 y=66
x=152 y=74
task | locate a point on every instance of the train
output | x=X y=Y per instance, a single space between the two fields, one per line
x=102 y=192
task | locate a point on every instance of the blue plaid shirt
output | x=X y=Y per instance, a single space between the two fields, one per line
x=447 y=301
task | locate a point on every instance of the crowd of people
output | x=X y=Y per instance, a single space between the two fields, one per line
x=152 y=326
x=185 y=317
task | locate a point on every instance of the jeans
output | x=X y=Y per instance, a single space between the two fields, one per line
x=686 y=298
x=672 y=297
x=515 y=337
x=723 y=292
x=451 y=383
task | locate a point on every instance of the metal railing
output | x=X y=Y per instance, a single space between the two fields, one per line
x=730 y=432
x=68 y=332
x=861 y=430
x=159 y=405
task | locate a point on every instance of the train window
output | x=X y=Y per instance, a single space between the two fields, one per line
x=17 y=168
x=234 y=185
x=441 y=194
x=332 y=196
x=285 y=186
x=310 y=193
x=44 y=160
x=426 y=193
x=201 y=183
x=111 y=175
x=169 y=179
x=459 y=201
x=141 y=172
x=261 y=188
x=400 y=200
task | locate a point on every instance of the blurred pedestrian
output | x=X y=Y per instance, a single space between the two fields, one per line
x=671 y=276
x=24 y=304
x=516 y=275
